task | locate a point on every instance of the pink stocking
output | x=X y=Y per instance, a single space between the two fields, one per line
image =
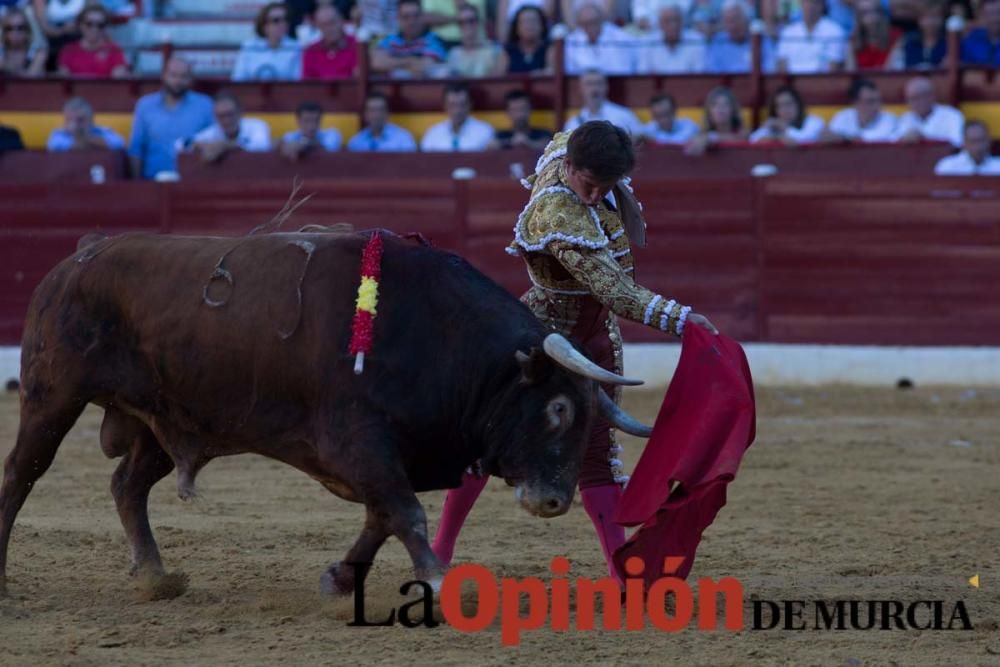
x=601 y=503
x=456 y=508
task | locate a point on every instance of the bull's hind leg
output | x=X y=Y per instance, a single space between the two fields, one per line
x=46 y=418
x=145 y=463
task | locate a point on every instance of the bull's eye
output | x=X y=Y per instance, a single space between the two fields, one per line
x=559 y=414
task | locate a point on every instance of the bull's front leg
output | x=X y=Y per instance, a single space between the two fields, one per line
x=340 y=578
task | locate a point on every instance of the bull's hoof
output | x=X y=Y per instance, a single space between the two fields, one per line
x=161 y=586
x=337 y=580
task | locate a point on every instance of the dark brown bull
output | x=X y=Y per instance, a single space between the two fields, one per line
x=206 y=347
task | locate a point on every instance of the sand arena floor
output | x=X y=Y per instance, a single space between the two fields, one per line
x=847 y=494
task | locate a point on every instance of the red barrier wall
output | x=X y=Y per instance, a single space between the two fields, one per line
x=786 y=259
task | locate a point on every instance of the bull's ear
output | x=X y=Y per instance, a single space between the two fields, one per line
x=535 y=365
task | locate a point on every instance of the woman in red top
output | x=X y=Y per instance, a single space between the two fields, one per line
x=875 y=43
x=93 y=55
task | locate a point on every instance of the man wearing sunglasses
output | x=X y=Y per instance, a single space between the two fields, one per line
x=94 y=55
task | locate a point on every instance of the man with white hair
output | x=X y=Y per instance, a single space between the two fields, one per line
x=672 y=49
x=814 y=45
x=975 y=159
x=926 y=119
x=594 y=94
x=730 y=51
x=79 y=132
x=598 y=44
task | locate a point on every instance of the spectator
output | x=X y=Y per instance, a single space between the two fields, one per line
x=927 y=120
x=10 y=139
x=875 y=43
x=57 y=19
x=508 y=11
x=672 y=49
x=520 y=134
x=666 y=128
x=788 y=121
x=528 y=48
x=442 y=17
x=309 y=136
x=79 y=132
x=813 y=45
x=272 y=55
x=94 y=54
x=704 y=15
x=164 y=119
x=982 y=45
x=335 y=55
x=379 y=135
x=975 y=159
x=925 y=48
x=460 y=132
x=598 y=44
x=723 y=122
x=413 y=51
x=594 y=94
x=19 y=56
x=475 y=56
x=729 y=51
x=865 y=121
x=231 y=131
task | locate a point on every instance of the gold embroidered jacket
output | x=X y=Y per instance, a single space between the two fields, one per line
x=573 y=251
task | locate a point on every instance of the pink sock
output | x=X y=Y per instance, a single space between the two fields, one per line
x=601 y=503
x=456 y=508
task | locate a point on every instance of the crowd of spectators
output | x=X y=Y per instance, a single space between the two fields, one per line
x=478 y=38
x=176 y=119
x=691 y=35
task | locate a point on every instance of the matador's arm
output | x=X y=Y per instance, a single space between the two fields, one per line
x=598 y=271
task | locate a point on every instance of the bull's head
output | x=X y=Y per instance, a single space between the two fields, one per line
x=540 y=438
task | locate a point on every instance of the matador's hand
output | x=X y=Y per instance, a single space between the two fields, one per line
x=703 y=322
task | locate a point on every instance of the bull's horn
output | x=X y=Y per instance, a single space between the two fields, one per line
x=563 y=353
x=619 y=418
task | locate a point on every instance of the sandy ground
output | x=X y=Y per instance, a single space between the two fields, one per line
x=847 y=494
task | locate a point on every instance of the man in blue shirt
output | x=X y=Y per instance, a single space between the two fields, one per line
x=79 y=132
x=166 y=118
x=413 y=51
x=730 y=50
x=379 y=134
x=982 y=45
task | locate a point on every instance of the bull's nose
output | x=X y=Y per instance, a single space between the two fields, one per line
x=545 y=504
x=554 y=507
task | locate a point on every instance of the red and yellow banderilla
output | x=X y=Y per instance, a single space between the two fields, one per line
x=364 y=313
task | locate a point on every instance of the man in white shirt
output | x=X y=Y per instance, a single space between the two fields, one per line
x=309 y=136
x=975 y=159
x=594 y=93
x=865 y=121
x=926 y=119
x=598 y=44
x=460 y=132
x=666 y=128
x=672 y=50
x=813 y=45
x=231 y=131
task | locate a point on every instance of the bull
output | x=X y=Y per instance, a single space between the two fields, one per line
x=200 y=347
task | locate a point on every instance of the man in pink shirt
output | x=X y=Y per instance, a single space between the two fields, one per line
x=335 y=55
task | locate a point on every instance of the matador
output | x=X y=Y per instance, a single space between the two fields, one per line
x=574 y=236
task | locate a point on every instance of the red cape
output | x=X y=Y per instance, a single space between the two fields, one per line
x=706 y=423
